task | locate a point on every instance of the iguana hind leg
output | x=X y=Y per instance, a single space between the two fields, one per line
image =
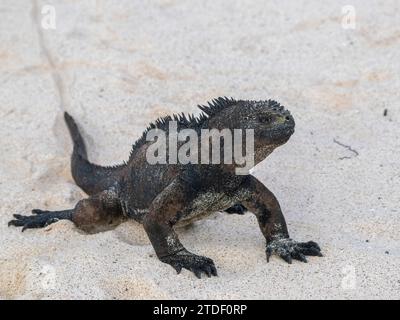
x=40 y=218
x=97 y=213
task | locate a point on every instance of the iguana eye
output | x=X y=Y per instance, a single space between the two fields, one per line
x=265 y=118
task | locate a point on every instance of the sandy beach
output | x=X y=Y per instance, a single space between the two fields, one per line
x=118 y=65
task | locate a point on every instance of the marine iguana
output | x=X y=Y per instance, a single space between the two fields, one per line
x=163 y=196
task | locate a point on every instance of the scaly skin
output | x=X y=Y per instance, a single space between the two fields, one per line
x=163 y=196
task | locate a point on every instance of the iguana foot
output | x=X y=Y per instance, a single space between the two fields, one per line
x=236 y=209
x=40 y=219
x=289 y=249
x=196 y=264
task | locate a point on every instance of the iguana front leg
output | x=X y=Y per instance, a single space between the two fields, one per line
x=165 y=211
x=265 y=206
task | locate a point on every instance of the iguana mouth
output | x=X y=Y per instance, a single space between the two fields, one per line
x=278 y=135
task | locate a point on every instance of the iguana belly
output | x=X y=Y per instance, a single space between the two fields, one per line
x=205 y=205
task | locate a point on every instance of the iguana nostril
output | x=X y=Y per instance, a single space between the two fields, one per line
x=287 y=118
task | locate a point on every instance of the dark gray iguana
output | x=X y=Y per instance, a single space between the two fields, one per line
x=162 y=196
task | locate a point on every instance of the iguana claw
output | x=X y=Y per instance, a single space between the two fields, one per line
x=192 y=262
x=289 y=249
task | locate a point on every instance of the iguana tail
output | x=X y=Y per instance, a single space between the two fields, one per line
x=90 y=177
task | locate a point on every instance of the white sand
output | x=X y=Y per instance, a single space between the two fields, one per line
x=116 y=65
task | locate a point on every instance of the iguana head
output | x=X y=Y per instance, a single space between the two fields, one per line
x=272 y=123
